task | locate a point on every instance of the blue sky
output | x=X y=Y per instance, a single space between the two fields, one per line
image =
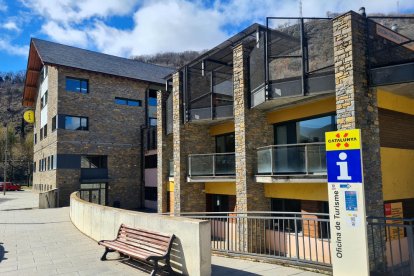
x=135 y=27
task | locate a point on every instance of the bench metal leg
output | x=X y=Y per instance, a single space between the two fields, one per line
x=168 y=267
x=154 y=272
x=107 y=250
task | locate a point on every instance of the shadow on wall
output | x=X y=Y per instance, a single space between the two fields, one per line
x=177 y=257
x=2 y=252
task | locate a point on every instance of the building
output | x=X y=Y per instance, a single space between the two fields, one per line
x=242 y=126
x=94 y=113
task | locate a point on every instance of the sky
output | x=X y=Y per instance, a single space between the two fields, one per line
x=141 y=27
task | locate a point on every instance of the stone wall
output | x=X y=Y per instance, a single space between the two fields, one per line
x=357 y=107
x=251 y=132
x=188 y=138
x=164 y=152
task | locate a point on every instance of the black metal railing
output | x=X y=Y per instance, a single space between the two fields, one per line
x=292 y=159
x=394 y=237
x=212 y=165
x=299 y=237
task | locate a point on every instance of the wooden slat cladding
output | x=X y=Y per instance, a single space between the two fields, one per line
x=396 y=129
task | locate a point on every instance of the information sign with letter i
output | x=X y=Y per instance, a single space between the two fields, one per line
x=349 y=243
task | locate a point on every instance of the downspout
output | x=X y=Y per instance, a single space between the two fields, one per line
x=143 y=129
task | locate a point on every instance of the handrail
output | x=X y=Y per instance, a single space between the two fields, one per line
x=212 y=154
x=292 y=145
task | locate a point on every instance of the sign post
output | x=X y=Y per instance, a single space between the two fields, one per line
x=349 y=243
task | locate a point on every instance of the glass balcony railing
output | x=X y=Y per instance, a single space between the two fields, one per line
x=214 y=164
x=292 y=159
x=171 y=168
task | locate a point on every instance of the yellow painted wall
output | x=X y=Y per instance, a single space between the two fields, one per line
x=221 y=188
x=395 y=102
x=305 y=191
x=223 y=128
x=170 y=186
x=302 y=111
x=397 y=166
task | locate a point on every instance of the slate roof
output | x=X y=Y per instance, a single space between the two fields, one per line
x=59 y=54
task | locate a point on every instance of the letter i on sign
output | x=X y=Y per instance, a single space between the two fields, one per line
x=343 y=167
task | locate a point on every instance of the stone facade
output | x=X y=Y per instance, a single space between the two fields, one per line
x=164 y=152
x=357 y=107
x=187 y=139
x=249 y=194
x=114 y=131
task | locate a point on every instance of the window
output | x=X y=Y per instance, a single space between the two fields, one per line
x=225 y=143
x=48 y=163
x=130 y=102
x=76 y=123
x=43 y=73
x=40 y=165
x=77 y=85
x=52 y=162
x=151 y=161
x=304 y=131
x=220 y=203
x=45 y=131
x=43 y=100
x=53 y=123
x=151 y=193
x=34 y=166
x=287 y=205
x=41 y=134
x=35 y=138
x=94 y=162
x=153 y=121
x=94 y=192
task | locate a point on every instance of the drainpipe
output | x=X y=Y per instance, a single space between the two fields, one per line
x=143 y=128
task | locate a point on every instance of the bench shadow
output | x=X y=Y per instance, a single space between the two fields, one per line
x=2 y=252
x=177 y=261
x=223 y=270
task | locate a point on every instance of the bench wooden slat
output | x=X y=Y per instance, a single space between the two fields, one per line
x=131 y=250
x=141 y=238
x=146 y=231
x=145 y=234
x=136 y=243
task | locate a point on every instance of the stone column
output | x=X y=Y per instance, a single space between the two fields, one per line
x=357 y=107
x=251 y=132
x=188 y=138
x=164 y=152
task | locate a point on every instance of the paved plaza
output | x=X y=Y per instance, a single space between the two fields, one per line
x=44 y=242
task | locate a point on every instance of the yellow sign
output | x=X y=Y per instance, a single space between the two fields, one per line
x=343 y=139
x=29 y=116
x=394 y=210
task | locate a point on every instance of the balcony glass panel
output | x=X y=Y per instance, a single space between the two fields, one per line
x=225 y=164
x=215 y=164
x=201 y=165
x=296 y=159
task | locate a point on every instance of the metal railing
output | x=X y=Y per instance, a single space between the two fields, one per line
x=394 y=238
x=292 y=159
x=298 y=237
x=213 y=164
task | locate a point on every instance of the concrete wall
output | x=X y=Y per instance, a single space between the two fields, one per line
x=191 y=253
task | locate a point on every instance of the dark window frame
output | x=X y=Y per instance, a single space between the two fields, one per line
x=80 y=123
x=127 y=101
x=80 y=84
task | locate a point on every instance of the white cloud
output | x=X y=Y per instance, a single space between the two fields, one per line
x=12 y=49
x=175 y=25
x=160 y=27
x=3 y=6
x=68 y=11
x=65 y=35
x=11 y=26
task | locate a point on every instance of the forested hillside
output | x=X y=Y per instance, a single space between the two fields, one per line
x=19 y=135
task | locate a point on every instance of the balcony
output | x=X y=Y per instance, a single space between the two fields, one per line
x=220 y=167
x=291 y=163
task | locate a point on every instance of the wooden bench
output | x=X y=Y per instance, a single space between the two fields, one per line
x=143 y=245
